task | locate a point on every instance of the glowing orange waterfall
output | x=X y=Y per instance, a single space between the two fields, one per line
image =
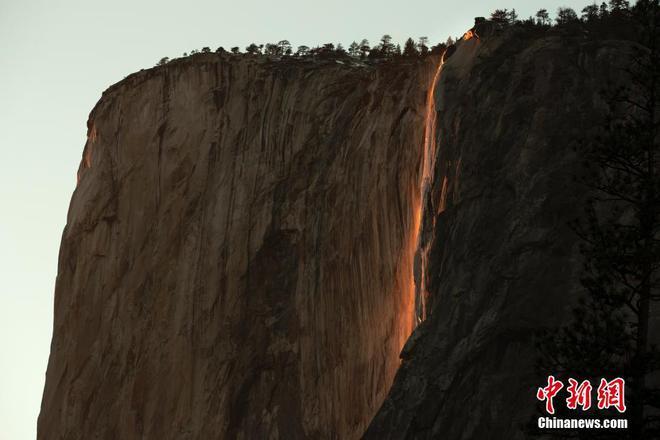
x=428 y=160
x=410 y=314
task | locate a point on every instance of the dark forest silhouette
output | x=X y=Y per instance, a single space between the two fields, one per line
x=597 y=20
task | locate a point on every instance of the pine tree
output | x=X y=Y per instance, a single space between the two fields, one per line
x=423 y=45
x=364 y=48
x=354 y=49
x=512 y=17
x=253 y=49
x=410 y=48
x=386 y=47
x=566 y=15
x=619 y=6
x=542 y=17
x=271 y=49
x=500 y=16
x=302 y=51
x=603 y=11
x=284 y=47
x=590 y=12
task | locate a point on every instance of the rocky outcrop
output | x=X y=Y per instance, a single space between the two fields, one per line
x=501 y=261
x=237 y=260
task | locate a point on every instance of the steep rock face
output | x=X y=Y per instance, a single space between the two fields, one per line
x=237 y=260
x=500 y=259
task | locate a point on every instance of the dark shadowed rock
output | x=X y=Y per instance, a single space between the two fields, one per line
x=501 y=260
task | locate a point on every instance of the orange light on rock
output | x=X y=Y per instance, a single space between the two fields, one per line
x=428 y=160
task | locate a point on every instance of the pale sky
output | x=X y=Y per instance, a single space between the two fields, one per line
x=57 y=56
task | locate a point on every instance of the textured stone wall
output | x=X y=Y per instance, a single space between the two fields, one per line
x=501 y=259
x=237 y=260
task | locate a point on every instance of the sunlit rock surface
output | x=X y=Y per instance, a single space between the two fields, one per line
x=237 y=260
x=501 y=260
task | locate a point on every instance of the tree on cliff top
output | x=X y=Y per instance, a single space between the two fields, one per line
x=618 y=6
x=590 y=12
x=272 y=49
x=364 y=48
x=512 y=17
x=302 y=51
x=284 y=47
x=386 y=46
x=542 y=17
x=423 y=45
x=500 y=16
x=566 y=15
x=253 y=49
x=410 y=48
x=354 y=49
x=611 y=333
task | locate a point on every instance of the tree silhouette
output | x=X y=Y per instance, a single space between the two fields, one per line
x=500 y=16
x=364 y=48
x=375 y=53
x=590 y=12
x=235 y=50
x=253 y=49
x=325 y=51
x=512 y=17
x=410 y=48
x=272 y=49
x=386 y=47
x=354 y=49
x=423 y=45
x=566 y=15
x=284 y=47
x=542 y=17
x=603 y=11
x=302 y=51
x=619 y=6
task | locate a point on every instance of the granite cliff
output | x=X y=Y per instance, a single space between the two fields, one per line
x=237 y=259
x=239 y=253
x=500 y=259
